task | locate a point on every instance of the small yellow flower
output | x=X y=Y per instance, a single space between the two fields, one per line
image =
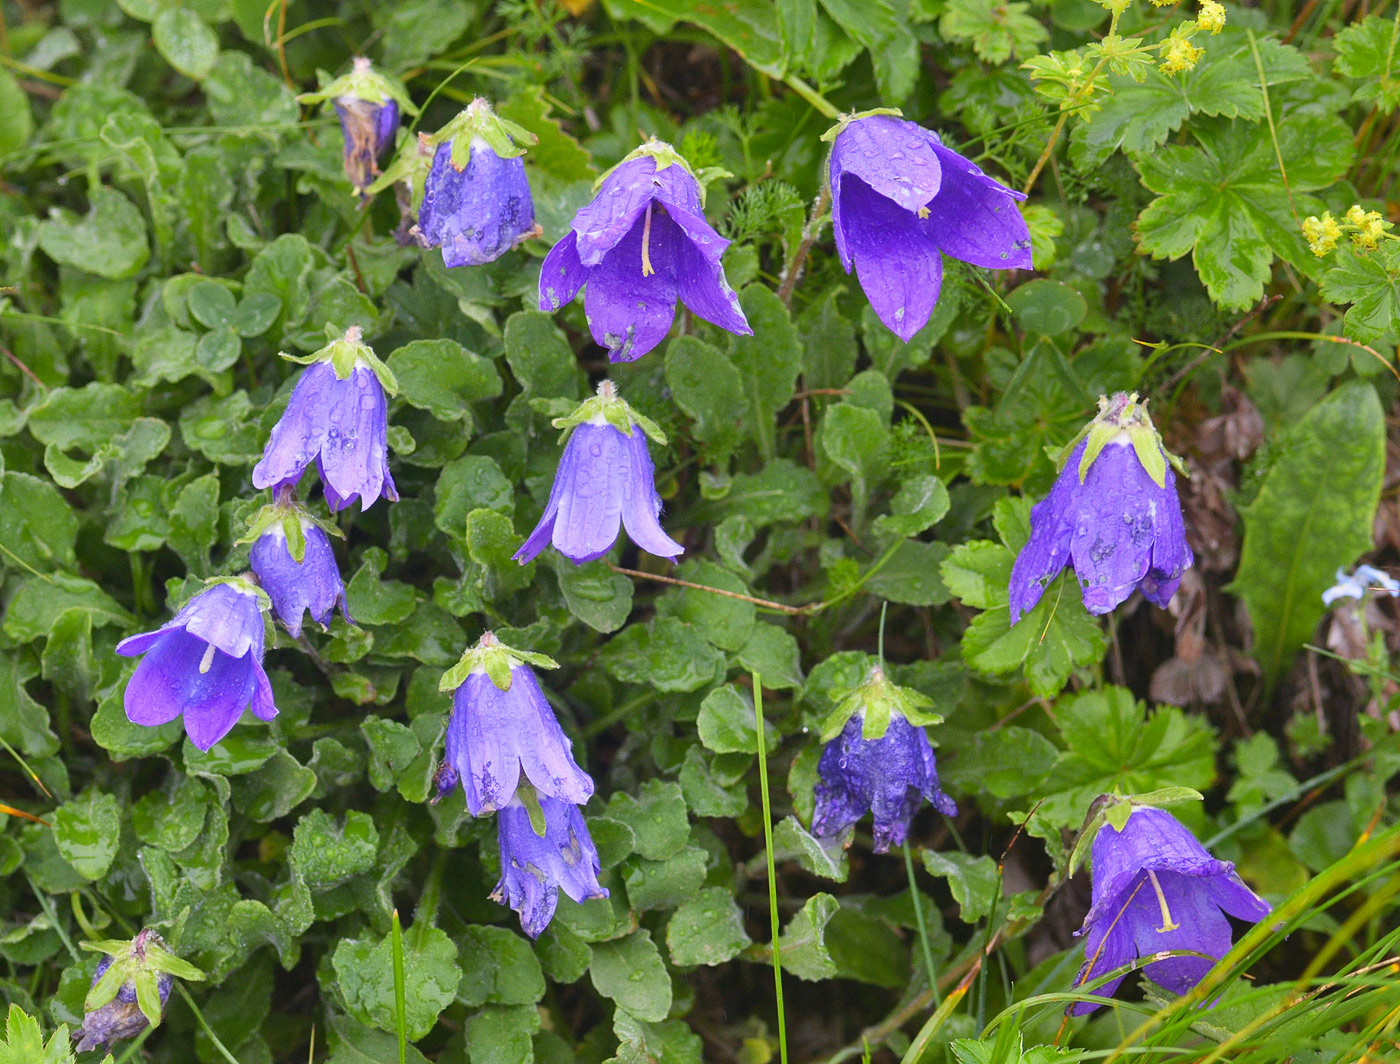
x=1322 y=233
x=1369 y=230
x=1179 y=55
x=1211 y=17
x=1356 y=215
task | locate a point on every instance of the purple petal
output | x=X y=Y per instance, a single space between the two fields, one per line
x=155 y=693
x=606 y=219
x=975 y=218
x=262 y=705
x=133 y=645
x=591 y=479
x=476 y=214
x=1230 y=893
x=168 y=682
x=704 y=288
x=1171 y=554
x=562 y=274
x=297 y=436
x=1115 y=525
x=534 y=867
x=544 y=530
x=226 y=616
x=546 y=755
x=314 y=584
x=899 y=267
x=1109 y=946
x=892 y=155
x=219 y=697
x=641 y=505
x=1153 y=839
x=1047 y=551
x=1200 y=926
x=629 y=312
x=353 y=457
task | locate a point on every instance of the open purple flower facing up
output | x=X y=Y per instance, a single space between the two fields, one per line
x=1113 y=514
x=338 y=417
x=877 y=762
x=129 y=988
x=476 y=200
x=295 y=565
x=501 y=727
x=605 y=481
x=1157 y=889
x=642 y=244
x=205 y=664
x=900 y=201
x=534 y=867
x=369 y=106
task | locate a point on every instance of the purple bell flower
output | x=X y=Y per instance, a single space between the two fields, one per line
x=204 y=664
x=642 y=244
x=605 y=481
x=494 y=734
x=900 y=201
x=534 y=868
x=338 y=417
x=889 y=777
x=476 y=200
x=1156 y=888
x=369 y=106
x=119 y=1018
x=1118 y=522
x=312 y=584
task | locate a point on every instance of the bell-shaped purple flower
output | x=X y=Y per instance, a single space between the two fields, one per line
x=605 y=481
x=1116 y=521
x=312 y=584
x=1156 y=888
x=368 y=127
x=495 y=735
x=204 y=664
x=889 y=777
x=119 y=1018
x=479 y=212
x=642 y=244
x=338 y=417
x=535 y=868
x=900 y=201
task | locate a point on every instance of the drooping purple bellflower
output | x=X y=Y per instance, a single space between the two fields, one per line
x=476 y=200
x=534 y=868
x=900 y=201
x=129 y=988
x=338 y=417
x=1155 y=889
x=1113 y=514
x=605 y=481
x=369 y=106
x=295 y=565
x=642 y=244
x=205 y=664
x=879 y=761
x=502 y=727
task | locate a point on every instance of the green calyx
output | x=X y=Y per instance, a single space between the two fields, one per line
x=293 y=519
x=846 y=119
x=494 y=658
x=665 y=155
x=608 y=408
x=410 y=166
x=478 y=121
x=363 y=82
x=876 y=698
x=346 y=352
x=1124 y=416
x=246 y=583
x=1115 y=809
x=139 y=961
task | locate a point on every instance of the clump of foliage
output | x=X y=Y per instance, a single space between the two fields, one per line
x=197 y=195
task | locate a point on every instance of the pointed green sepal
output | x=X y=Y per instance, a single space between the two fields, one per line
x=346 y=352
x=1115 y=809
x=1099 y=436
x=107 y=987
x=494 y=658
x=1148 y=446
x=531 y=801
x=876 y=699
x=479 y=122
x=411 y=166
x=363 y=82
x=607 y=407
x=148 y=995
x=667 y=156
x=293 y=519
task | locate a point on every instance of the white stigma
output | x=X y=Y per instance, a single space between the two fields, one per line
x=207 y=662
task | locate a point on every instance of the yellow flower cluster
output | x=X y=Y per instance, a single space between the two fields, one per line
x=1370 y=227
x=1367 y=229
x=1322 y=233
x=1211 y=17
x=1179 y=54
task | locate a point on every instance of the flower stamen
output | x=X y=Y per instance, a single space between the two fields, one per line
x=647 y=270
x=1167 y=922
x=207 y=662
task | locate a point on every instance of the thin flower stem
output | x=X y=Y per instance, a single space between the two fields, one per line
x=819 y=102
x=204 y=1024
x=918 y=904
x=767 y=603
x=793 y=269
x=768 y=851
x=400 y=1005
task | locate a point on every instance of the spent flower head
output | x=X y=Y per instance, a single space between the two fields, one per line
x=129 y=988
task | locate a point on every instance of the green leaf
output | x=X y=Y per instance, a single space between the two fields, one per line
x=354 y=1043
x=555 y=152
x=1313 y=515
x=973 y=881
x=37 y=603
x=326 y=854
x=499 y=968
x=87 y=831
x=911 y=575
x=665 y=884
x=803 y=942
x=726 y=723
x=1370 y=281
x=656 y=816
x=24 y=1041
x=664 y=653
x=185 y=41
x=791 y=841
x=768 y=362
x=725 y=621
x=919 y=504
x=16 y=122
x=707 y=386
x=37 y=526
x=996 y=30
x=708 y=929
x=1367 y=50
x=443 y=377
x=109 y=241
x=750 y=27
x=1047 y=308
x=364 y=971
x=1225 y=202
x=631 y=973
